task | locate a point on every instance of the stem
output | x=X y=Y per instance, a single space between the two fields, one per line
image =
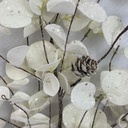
x=82 y=119
x=10 y=123
x=6 y=84
x=67 y=37
x=85 y=35
x=42 y=35
x=56 y=18
x=76 y=82
x=125 y=29
x=110 y=63
x=28 y=41
x=101 y=97
x=21 y=68
x=60 y=104
x=6 y=99
x=38 y=82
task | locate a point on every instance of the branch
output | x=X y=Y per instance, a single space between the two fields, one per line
x=117 y=38
x=65 y=46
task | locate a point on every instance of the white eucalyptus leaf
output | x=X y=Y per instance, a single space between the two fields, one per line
x=115 y=86
x=63 y=82
x=96 y=27
x=18 y=116
x=4 y=91
x=17 y=55
x=103 y=74
x=36 y=6
x=80 y=21
x=82 y=95
x=111 y=29
x=57 y=33
x=51 y=84
x=73 y=115
x=15 y=73
x=38 y=119
x=17 y=84
x=15 y=13
x=49 y=67
x=38 y=101
x=36 y=55
x=77 y=47
x=39 y=126
x=93 y=11
x=19 y=97
x=61 y=6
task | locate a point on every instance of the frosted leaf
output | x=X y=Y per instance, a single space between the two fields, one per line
x=19 y=97
x=49 y=67
x=108 y=126
x=115 y=86
x=102 y=75
x=96 y=27
x=17 y=84
x=15 y=73
x=122 y=123
x=17 y=55
x=77 y=47
x=36 y=6
x=126 y=52
x=4 y=91
x=38 y=119
x=111 y=29
x=15 y=13
x=51 y=84
x=61 y=6
x=63 y=82
x=36 y=55
x=57 y=33
x=80 y=21
x=38 y=101
x=2 y=123
x=82 y=95
x=72 y=117
x=18 y=116
x=93 y=11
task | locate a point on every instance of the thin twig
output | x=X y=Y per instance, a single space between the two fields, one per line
x=60 y=104
x=56 y=18
x=110 y=63
x=42 y=35
x=67 y=37
x=117 y=38
x=10 y=123
x=76 y=82
x=105 y=106
x=86 y=34
x=5 y=98
x=82 y=119
x=28 y=41
x=6 y=84
x=101 y=97
x=21 y=68
x=98 y=1
x=38 y=82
